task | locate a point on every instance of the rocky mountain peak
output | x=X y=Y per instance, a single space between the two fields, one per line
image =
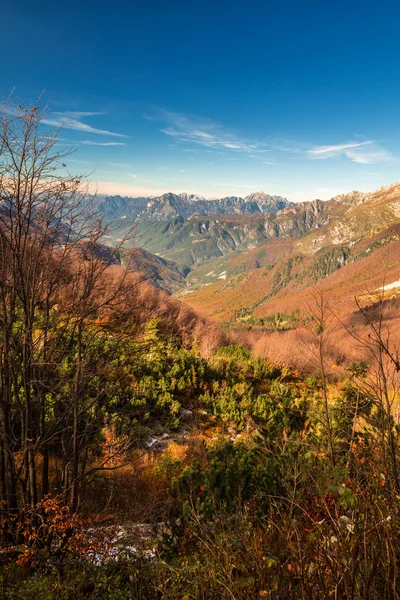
x=258 y=196
x=351 y=198
x=191 y=197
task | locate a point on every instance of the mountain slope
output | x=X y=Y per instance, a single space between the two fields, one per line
x=162 y=273
x=346 y=233
x=294 y=246
x=196 y=241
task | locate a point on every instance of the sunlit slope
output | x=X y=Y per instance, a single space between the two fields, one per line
x=357 y=248
x=366 y=217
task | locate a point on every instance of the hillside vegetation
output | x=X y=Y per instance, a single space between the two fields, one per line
x=144 y=453
x=356 y=251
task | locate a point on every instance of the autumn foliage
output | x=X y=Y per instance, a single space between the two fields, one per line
x=145 y=454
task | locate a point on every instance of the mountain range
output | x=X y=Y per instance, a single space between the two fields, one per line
x=168 y=206
x=239 y=258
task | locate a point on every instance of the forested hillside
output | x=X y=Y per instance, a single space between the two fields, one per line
x=355 y=252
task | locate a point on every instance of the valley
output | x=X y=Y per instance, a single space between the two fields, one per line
x=240 y=261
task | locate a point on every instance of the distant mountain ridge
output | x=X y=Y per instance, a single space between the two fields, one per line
x=169 y=205
x=240 y=253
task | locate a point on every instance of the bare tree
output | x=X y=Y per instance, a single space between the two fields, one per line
x=376 y=342
x=50 y=240
x=318 y=323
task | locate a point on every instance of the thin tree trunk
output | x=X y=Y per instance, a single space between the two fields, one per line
x=75 y=432
x=2 y=474
x=353 y=433
x=9 y=467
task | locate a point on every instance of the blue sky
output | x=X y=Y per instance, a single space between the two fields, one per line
x=217 y=98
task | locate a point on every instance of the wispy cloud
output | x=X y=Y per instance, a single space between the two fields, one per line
x=89 y=143
x=74 y=120
x=365 y=153
x=285 y=144
x=374 y=154
x=328 y=151
x=205 y=132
